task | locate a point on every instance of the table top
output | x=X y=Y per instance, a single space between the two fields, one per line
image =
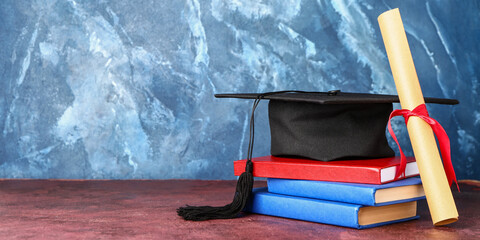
x=146 y=209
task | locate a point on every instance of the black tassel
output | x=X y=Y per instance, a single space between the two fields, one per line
x=244 y=184
x=242 y=193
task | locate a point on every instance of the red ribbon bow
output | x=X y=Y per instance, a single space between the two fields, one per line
x=421 y=112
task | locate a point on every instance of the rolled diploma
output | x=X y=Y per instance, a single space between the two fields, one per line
x=437 y=190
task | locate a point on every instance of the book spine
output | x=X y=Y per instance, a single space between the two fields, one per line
x=331 y=191
x=311 y=172
x=313 y=210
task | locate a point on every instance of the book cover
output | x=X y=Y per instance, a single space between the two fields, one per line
x=329 y=212
x=371 y=171
x=405 y=190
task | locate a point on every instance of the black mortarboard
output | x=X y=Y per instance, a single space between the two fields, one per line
x=317 y=125
x=329 y=125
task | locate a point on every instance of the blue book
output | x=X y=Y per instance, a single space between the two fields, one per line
x=405 y=190
x=328 y=212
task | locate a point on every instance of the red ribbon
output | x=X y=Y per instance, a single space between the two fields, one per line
x=421 y=112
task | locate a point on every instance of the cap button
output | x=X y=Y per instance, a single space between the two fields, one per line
x=333 y=92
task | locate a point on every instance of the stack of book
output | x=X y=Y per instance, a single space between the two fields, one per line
x=354 y=193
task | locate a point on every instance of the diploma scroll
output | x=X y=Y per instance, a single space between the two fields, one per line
x=437 y=190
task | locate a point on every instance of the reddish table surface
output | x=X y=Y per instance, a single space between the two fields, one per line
x=145 y=209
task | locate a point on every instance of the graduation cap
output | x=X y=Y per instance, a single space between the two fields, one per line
x=323 y=126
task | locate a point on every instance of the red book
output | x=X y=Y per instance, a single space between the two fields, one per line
x=371 y=171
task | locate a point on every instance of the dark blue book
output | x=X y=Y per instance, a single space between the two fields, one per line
x=405 y=190
x=329 y=212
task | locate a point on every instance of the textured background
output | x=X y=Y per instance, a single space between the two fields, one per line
x=124 y=89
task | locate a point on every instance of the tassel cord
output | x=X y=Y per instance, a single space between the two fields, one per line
x=244 y=184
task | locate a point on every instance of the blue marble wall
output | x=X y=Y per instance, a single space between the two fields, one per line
x=124 y=89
